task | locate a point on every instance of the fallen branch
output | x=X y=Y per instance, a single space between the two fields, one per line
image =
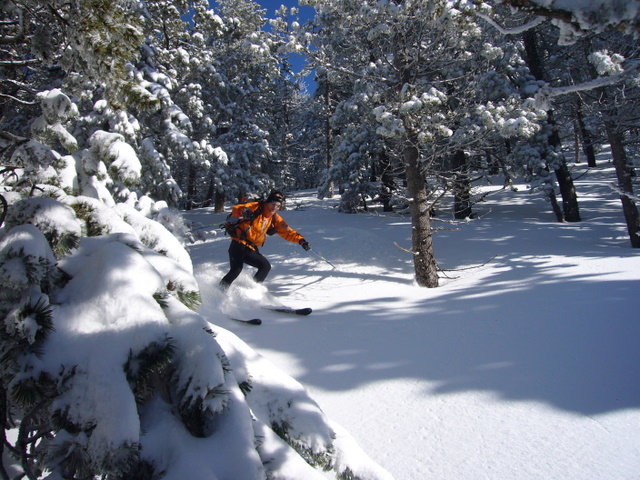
x=467 y=268
x=444 y=270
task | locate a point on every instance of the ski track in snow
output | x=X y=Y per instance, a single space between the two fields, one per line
x=523 y=364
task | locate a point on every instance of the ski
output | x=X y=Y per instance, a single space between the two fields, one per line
x=289 y=310
x=252 y=321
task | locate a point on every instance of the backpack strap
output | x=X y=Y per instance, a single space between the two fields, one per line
x=231 y=228
x=272 y=228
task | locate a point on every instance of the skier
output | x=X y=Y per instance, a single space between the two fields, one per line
x=252 y=222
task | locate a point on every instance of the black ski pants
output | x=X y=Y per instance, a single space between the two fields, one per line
x=240 y=254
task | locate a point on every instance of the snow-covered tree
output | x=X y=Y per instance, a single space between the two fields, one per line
x=46 y=43
x=615 y=108
x=250 y=71
x=178 y=67
x=553 y=157
x=419 y=77
x=291 y=165
x=613 y=71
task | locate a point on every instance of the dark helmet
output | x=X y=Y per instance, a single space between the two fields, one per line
x=275 y=196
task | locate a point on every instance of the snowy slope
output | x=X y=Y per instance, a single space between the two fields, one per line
x=522 y=364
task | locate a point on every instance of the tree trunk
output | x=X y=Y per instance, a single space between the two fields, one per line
x=571 y=212
x=461 y=186
x=387 y=185
x=624 y=173
x=424 y=259
x=568 y=192
x=555 y=206
x=565 y=180
x=587 y=140
x=211 y=191
x=328 y=134
x=218 y=203
x=508 y=181
x=624 y=169
x=191 y=186
x=577 y=143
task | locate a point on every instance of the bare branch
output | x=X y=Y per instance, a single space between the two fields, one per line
x=20 y=85
x=468 y=268
x=19 y=63
x=20 y=31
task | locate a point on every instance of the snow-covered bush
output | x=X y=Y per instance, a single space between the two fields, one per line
x=110 y=372
x=50 y=128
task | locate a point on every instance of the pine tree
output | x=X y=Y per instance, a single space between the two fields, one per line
x=613 y=72
x=414 y=88
x=177 y=66
x=570 y=211
x=289 y=131
x=616 y=108
x=248 y=64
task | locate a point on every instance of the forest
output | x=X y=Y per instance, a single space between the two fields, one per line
x=115 y=116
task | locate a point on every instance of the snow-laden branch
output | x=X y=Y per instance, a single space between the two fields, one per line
x=547 y=93
x=514 y=30
x=575 y=18
x=585 y=15
x=16 y=99
x=20 y=85
x=19 y=63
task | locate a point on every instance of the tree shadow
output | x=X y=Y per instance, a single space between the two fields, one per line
x=515 y=315
x=562 y=343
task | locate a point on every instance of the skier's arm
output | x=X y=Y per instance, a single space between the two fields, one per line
x=288 y=233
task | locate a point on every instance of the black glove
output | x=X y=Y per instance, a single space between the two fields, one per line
x=229 y=228
x=248 y=214
x=305 y=245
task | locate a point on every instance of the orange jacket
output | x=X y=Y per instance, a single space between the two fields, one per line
x=253 y=233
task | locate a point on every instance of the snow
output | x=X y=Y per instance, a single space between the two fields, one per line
x=121 y=156
x=522 y=364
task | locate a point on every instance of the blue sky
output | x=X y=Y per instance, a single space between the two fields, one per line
x=305 y=14
x=273 y=5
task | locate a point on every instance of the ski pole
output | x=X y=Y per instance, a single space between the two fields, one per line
x=206 y=226
x=334 y=267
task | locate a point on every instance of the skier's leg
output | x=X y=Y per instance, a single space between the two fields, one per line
x=259 y=261
x=236 y=262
